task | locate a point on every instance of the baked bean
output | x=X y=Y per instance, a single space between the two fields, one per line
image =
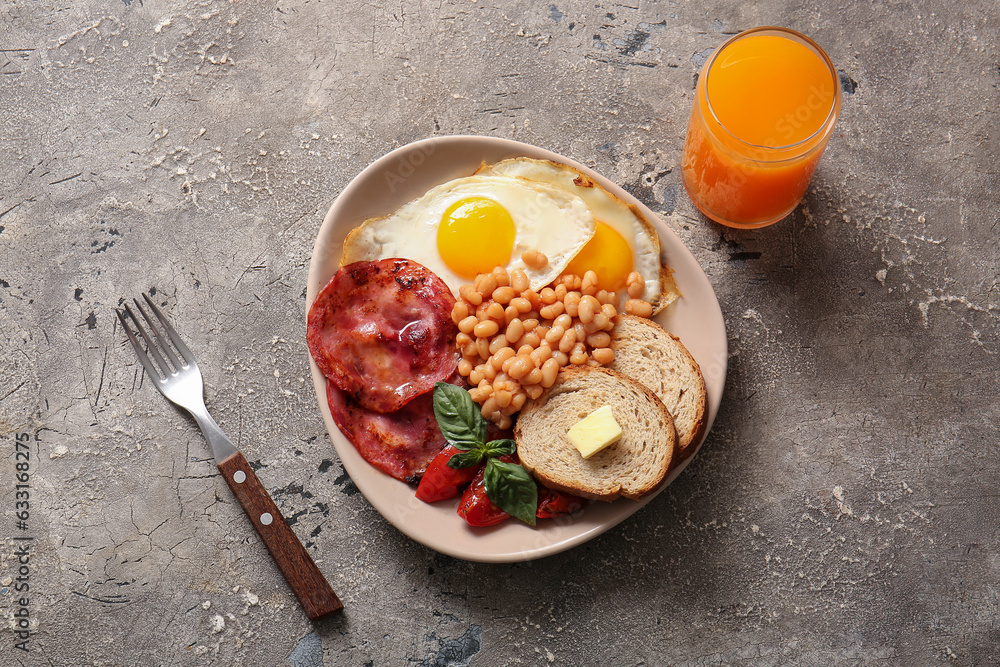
x=489 y=373
x=483 y=348
x=531 y=338
x=502 y=277
x=486 y=386
x=489 y=407
x=599 y=339
x=589 y=283
x=503 y=398
x=552 y=311
x=603 y=355
x=548 y=296
x=504 y=422
x=503 y=295
x=477 y=395
x=500 y=356
x=554 y=334
x=485 y=284
x=564 y=321
x=567 y=341
x=593 y=363
x=520 y=367
x=468 y=324
x=510 y=313
x=471 y=349
x=464 y=368
x=561 y=358
x=515 y=329
x=534 y=259
x=533 y=377
x=469 y=293
x=638 y=307
x=586 y=309
x=600 y=321
x=636 y=285
x=609 y=311
x=476 y=376
x=486 y=329
x=578 y=358
x=581 y=330
x=519 y=280
x=549 y=371
x=606 y=297
x=459 y=312
x=494 y=310
x=571 y=303
x=462 y=339
x=497 y=342
x=541 y=354
x=522 y=304
x=533 y=297
x=518 y=401
x=481 y=310
x=530 y=324
x=561 y=292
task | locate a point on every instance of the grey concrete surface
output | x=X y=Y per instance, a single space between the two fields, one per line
x=843 y=510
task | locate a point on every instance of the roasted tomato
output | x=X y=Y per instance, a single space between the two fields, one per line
x=556 y=503
x=476 y=507
x=440 y=481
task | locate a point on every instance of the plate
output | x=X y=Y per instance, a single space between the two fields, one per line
x=405 y=174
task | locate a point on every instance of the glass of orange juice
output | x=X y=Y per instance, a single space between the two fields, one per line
x=765 y=106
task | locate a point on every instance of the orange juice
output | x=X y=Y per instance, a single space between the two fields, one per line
x=765 y=106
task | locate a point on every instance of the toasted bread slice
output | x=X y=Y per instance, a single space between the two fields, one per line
x=655 y=357
x=631 y=467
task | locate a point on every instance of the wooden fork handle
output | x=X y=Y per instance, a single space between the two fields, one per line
x=305 y=579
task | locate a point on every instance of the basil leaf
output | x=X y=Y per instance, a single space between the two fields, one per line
x=512 y=489
x=460 y=421
x=466 y=459
x=499 y=448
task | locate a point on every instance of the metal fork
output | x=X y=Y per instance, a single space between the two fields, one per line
x=173 y=369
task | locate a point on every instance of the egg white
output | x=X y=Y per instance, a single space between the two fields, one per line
x=547 y=218
x=640 y=235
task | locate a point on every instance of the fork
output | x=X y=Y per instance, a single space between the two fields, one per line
x=176 y=374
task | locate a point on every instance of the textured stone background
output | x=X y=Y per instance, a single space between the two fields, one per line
x=843 y=510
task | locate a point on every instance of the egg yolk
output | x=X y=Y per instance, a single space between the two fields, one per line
x=608 y=255
x=475 y=236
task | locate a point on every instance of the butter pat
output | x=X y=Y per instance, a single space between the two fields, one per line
x=595 y=432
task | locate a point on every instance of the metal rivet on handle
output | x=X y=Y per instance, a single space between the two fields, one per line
x=239 y=477
x=266 y=518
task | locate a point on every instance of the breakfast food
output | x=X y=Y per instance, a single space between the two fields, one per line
x=624 y=240
x=382 y=332
x=631 y=467
x=469 y=225
x=514 y=340
x=401 y=443
x=655 y=357
x=493 y=301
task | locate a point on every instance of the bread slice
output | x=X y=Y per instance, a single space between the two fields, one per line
x=655 y=357
x=632 y=467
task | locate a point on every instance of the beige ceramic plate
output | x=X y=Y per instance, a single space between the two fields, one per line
x=408 y=172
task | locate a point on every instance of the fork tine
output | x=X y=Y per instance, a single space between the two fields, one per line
x=139 y=352
x=174 y=336
x=162 y=343
x=166 y=370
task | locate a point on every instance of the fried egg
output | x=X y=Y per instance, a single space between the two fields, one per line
x=471 y=225
x=624 y=240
